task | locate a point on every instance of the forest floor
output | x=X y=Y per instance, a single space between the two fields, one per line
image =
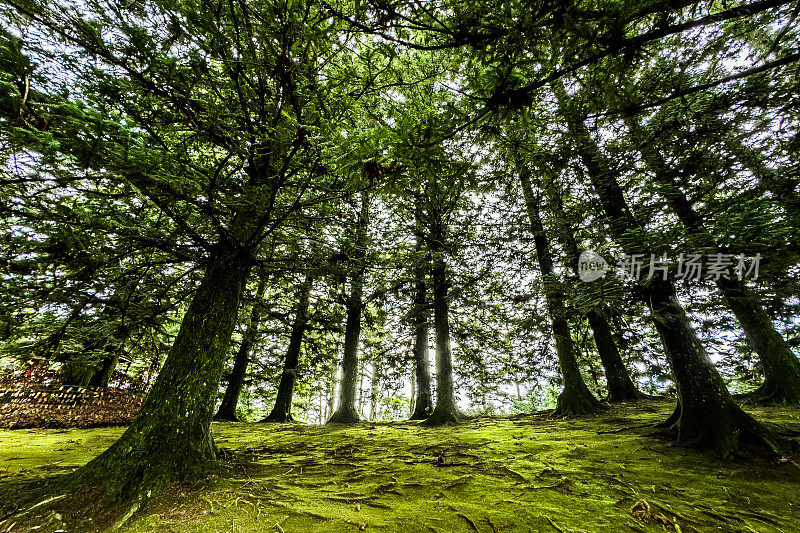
x=520 y=473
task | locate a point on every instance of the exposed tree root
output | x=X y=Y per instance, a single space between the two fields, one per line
x=445 y=417
x=572 y=403
x=279 y=417
x=344 y=416
x=726 y=433
x=772 y=393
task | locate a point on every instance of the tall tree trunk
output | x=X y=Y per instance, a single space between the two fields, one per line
x=576 y=399
x=347 y=413
x=227 y=409
x=171 y=437
x=282 y=411
x=620 y=385
x=330 y=393
x=781 y=367
x=446 y=410
x=423 y=405
x=374 y=393
x=709 y=417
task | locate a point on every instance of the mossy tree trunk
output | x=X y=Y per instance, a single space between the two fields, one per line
x=446 y=410
x=709 y=416
x=171 y=437
x=346 y=411
x=575 y=399
x=230 y=400
x=423 y=404
x=781 y=367
x=282 y=411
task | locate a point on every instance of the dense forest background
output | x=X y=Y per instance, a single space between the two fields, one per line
x=333 y=211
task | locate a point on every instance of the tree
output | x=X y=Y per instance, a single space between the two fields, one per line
x=227 y=409
x=346 y=412
x=423 y=404
x=216 y=132
x=282 y=411
x=707 y=415
x=575 y=399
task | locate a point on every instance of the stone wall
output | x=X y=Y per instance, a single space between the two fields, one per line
x=67 y=407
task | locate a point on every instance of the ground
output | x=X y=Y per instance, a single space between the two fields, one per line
x=523 y=473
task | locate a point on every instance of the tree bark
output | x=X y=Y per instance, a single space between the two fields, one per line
x=347 y=413
x=446 y=410
x=575 y=399
x=230 y=400
x=620 y=386
x=282 y=411
x=781 y=367
x=709 y=417
x=423 y=405
x=171 y=437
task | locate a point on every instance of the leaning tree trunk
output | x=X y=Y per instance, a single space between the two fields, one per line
x=446 y=410
x=346 y=412
x=422 y=366
x=227 y=409
x=575 y=399
x=619 y=383
x=709 y=417
x=781 y=367
x=170 y=439
x=282 y=411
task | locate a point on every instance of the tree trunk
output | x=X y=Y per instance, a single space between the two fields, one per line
x=709 y=417
x=576 y=399
x=446 y=410
x=374 y=393
x=227 y=409
x=619 y=383
x=330 y=393
x=108 y=364
x=781 y=367
x=347 y=413
x=282 y=411
x=422 y=366
x=171 y=439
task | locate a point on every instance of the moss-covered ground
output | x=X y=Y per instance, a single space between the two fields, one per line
x=522 y=473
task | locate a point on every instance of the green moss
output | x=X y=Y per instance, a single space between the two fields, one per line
x=525 y=473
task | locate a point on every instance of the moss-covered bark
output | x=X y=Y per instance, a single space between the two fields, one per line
x=171 y=437
x=282 y=411
x=707 y=415
x=446 y=410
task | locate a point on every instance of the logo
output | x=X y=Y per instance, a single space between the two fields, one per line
x=591 y=266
